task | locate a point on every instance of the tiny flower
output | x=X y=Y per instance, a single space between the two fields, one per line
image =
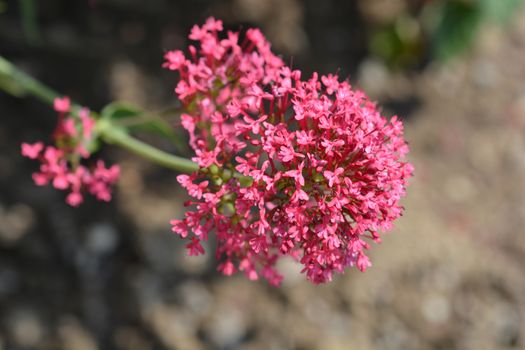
x=68 y=128
x=74 y=199
x=174 y=60
x=88 y=123
x=331 y=82
x=62 y=105
x=333 y=176
x=213 y=25
x=32 y=150
x=227 y=268
x=305 y=138
x=180 y=227
x=60 y=181
x=297 y=174
x=206 y=159
x=234 y=108
x=363 y=262
x=299 y=195
x=254 y=125
x=194 y=247
x=287 y=154
x=198 y=33
x=40 y=179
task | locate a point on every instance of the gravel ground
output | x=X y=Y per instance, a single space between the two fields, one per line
x=112 y=276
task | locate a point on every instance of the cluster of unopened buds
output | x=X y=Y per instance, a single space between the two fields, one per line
x=288 y=166
x=61 y=164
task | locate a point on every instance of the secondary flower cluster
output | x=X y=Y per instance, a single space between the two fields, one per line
x=61 y=164
x=306 y=168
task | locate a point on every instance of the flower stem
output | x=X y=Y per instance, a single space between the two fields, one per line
x=18 y=83
x=118 y=136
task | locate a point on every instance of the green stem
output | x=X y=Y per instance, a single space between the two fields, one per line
x=112 y=134
x=25 y=83
x=16 y=82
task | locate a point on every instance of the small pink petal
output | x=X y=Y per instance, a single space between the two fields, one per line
x=32 y=150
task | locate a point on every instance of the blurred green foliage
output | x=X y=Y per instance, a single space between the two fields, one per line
x=29 y=14
x=498 y=10
x=399 y=43
x=439 y=29
x=456 y=29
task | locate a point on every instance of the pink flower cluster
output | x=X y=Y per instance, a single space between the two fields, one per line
x=60 y=164
x=305 y=168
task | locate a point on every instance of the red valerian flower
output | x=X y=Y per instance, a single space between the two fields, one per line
x=60 y=164
x=305 y=168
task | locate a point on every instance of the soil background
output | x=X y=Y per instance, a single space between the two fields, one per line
x=112 y=276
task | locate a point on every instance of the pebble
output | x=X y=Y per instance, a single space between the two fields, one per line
x=101 y=239
x=74 y=336
x=25 y=328
x=436 y=309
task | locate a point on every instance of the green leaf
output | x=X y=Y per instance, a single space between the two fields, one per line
x=457 y=28
x=117 y=111
x=132 y=118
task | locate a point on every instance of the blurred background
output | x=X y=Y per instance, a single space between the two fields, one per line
x=113 y=276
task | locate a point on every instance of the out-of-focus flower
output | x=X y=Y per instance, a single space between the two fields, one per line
x=61 y=165
x=306 y=168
